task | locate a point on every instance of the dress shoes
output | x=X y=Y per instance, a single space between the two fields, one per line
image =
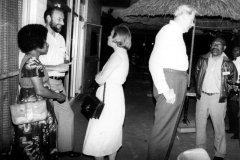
x=53 y=156
x=218 y=158
x=235 y=137
x=229 y=131
x=73 y=154
x=69 y=154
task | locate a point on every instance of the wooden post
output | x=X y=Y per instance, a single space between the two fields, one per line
x=191 y=56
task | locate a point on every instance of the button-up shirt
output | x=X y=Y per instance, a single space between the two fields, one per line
x=212 y=79
x=169 y=52
x=56 y=53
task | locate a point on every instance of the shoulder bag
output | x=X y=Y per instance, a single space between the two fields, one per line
x=91 y=106
x=28 y=112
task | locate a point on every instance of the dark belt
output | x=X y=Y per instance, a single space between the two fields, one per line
x=173 y=70
x=209 y=94
x=57 y=78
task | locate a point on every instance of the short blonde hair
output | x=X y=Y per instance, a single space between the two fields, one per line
x=185 y=9
x=122 y=36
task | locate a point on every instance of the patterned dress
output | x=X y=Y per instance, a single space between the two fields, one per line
x=37 y=140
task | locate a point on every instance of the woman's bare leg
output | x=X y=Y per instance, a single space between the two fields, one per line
x=112 y=156
x=99 y=158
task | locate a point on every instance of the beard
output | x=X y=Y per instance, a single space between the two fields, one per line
x=55 y=27
x=215 y=52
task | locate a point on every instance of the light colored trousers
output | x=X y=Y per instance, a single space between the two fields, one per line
x=210 y=106
x=65 y=119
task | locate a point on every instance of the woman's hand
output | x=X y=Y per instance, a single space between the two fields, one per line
x=47 y=85
x=97 y=78
x=62 y=98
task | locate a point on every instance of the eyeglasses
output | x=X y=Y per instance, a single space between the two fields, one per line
x=216 y=44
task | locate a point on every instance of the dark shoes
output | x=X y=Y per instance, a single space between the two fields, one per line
x=229 y=131
x=235 y=137
x=218 y=158
x=53 y=156
x=73 y=154
x=69 y=154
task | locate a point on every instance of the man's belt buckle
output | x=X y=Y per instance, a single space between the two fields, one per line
x=54 y=77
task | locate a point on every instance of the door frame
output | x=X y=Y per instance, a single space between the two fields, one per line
x=84 y=54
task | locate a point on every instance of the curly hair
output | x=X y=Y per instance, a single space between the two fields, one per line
x=32 y=36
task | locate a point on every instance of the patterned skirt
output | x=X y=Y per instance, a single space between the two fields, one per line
x=37 y=140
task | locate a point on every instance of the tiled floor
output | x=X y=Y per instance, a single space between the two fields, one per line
x=138 y=122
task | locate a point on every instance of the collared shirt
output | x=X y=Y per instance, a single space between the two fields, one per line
x=212 y=79
x=169 y=52
x=56 y=53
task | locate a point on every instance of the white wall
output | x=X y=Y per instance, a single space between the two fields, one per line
x=33 y=11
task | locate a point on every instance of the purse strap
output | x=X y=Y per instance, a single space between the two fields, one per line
x=104 y=91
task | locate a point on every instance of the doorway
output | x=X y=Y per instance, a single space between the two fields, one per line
x=91 y=63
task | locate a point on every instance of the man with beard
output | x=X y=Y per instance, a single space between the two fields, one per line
x=213 y=70
x=54 y=63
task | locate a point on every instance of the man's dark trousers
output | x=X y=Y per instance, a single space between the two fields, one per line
x=232 y=111
x=167 y=116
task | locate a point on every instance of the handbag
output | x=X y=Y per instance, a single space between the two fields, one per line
x=28 y=112
x=91 y=106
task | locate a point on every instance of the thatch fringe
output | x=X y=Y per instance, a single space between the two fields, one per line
x=157 y=22
x=212 y=14
x=222 y=8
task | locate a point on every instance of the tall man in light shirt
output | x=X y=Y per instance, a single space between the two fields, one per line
x=54 y=63
x=168 y=65
x=213 y=70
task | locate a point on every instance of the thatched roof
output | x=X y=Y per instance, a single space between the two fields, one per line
x=222 y=14
x=223 y=8
x=201 y=23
